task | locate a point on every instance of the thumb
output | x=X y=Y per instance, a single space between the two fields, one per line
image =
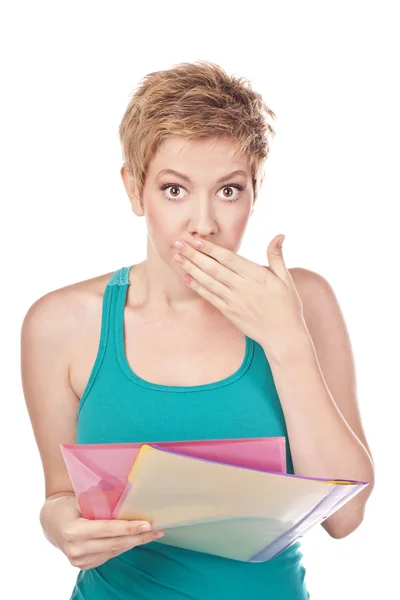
x=275 y=257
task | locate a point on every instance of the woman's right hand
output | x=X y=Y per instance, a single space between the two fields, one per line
x=89 y=543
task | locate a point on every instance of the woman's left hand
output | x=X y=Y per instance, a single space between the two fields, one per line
x=261 y=301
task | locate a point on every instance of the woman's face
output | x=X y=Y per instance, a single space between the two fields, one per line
x=203 y=201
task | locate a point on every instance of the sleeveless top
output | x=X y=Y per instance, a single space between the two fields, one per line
x=118 y=406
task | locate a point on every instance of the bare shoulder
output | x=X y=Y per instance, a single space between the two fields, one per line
x=317 y=295
x=69 y=306
x=306 y=278
x=58 y=321
x=307 y=282
x=321 y=307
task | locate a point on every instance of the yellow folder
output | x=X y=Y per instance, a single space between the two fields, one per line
x=235 y=512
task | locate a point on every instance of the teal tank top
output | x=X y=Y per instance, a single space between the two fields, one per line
x=118 y=406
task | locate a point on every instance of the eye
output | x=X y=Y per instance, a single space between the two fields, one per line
x=175 y=186
x=230 y=186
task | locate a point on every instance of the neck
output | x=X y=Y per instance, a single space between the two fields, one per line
x=161 y=291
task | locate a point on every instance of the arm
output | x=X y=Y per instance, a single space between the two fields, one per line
x=315 y=381
x=47 y=338
x=50 y=399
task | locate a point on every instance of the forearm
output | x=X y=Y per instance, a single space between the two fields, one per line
x=321 y=442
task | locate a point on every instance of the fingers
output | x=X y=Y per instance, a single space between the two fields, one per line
x=105 y=528
x=117 y=544
x=94 y=552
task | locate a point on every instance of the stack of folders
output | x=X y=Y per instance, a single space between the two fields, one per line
x=230 y=498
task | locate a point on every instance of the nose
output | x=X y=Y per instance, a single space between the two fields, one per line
x=203 y=223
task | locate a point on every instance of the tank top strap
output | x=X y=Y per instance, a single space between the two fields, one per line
x=120 y=277
x=114 y=306
x=111 y=316
x=117 y=290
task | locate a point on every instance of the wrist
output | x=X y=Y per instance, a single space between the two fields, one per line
x=60 y=495
x=297 y=348
x=56 y=508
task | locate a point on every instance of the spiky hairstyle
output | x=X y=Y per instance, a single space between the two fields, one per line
x=195 y=100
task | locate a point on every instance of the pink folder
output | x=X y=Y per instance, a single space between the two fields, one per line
x=99 y=472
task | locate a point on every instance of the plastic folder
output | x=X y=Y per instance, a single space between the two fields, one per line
x=99 y=472
x=234 y=512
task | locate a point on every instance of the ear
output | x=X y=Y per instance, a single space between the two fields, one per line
x=130 y=188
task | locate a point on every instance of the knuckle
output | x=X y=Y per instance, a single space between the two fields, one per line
x=73 y=552
x=74 y=562
x=212 y=269
x=133 y=529
x=69 y=535
x=227 y=256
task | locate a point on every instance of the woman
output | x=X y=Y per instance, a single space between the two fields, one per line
x=235 y=350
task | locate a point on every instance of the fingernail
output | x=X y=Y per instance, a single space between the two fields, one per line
x=158 y=534
x=145 y=527
x=280 y=242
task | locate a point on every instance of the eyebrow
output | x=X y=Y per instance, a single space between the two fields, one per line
x=186 y=178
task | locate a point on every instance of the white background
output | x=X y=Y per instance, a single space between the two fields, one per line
x=328 y=70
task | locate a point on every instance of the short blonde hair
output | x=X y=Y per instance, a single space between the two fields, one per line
x=195 y=100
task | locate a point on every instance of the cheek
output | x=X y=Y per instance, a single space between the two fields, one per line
x=154 y=221
x=157 y=223
x=160 y=229
x=238 y=227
